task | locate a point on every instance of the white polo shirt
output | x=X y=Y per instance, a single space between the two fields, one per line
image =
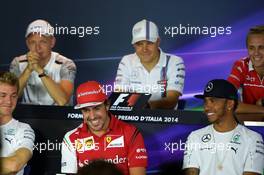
x=15 y=135
x=58 y=68
x=240 y=150
x=168 y=74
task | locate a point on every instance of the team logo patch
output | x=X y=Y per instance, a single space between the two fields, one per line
x=134 y=74
x=234 y=149
x=84 y=144
x=114 y=141
x=162 y=82
x=108 y=139
x=79 y=145
x=10 y=132
x=236 y=139
x=206 y=138
x=89 y=143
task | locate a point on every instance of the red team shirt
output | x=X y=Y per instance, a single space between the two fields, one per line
x=244 y=75
x=122 y=145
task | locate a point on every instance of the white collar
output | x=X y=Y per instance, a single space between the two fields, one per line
x=250 y=65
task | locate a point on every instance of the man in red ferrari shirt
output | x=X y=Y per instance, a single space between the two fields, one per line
x=102 y=136
x=248 y=73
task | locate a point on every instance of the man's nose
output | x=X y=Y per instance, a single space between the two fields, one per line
x=206 y=106
x=8 y=99
x=145 y=47
x=91 y=114
x=37 y=47
x=256 y=51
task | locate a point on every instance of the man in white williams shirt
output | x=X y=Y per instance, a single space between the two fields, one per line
x=150 y=70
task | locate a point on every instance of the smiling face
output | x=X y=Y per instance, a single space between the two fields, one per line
x=96 y=118
x=215 y=109
x=147 y=51
x=8 y=100
x=255 y=45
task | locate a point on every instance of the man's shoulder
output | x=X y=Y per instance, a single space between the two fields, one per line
x=21 y=59
x=124 y=125
x=243 y=61
x=202 y=131
x=73 y=132
x=129 y=59
x=172 y=58
x=249 y=134
x=19 y=127
x=20 y=124
x=60 y=59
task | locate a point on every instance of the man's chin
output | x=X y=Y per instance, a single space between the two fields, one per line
x=95 y=128
x=6 y=112
x=211 y=119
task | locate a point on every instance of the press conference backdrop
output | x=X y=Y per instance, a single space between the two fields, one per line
x=208 y=35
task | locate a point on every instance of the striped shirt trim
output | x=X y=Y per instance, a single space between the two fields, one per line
x=254 y=85
x=147 y=30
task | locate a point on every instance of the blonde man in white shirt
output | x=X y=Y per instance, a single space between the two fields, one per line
x=17 y=138
x=45 y=77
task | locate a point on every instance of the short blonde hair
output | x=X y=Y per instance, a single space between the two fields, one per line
x=9 y=78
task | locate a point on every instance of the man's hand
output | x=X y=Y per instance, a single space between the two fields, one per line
x=260 y=102
x=33 y=62
x=13 y=164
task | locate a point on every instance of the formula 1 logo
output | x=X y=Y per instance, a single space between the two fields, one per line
x=125 y=102
x=120 y=99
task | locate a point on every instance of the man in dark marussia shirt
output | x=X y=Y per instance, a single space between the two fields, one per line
x=102 y=136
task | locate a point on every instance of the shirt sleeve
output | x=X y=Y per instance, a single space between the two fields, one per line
x=191 y=156
x=68 y=71
x=68 y=157
x=255 y=156
x=25 y=137
x=176 y=74
x=236 y=76
x=137 y=154
x=14 y=67
x=122 y=76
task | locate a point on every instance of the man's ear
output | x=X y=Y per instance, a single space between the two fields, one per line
x=107 y=104
x=27 y=44
x=53 y=42
x=158 y=41
x=230 y=104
